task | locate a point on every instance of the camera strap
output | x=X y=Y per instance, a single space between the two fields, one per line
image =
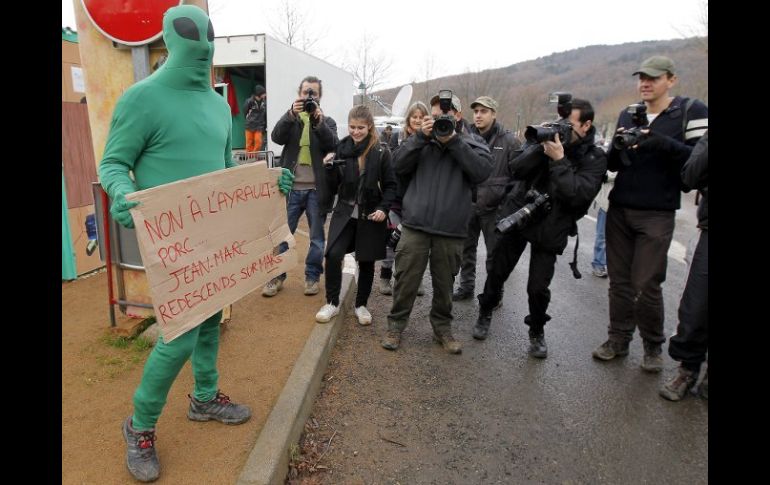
x=573 y=264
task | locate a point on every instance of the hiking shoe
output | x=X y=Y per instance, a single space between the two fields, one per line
x=386 y=288
x=311 y=287
x=329 y=311
x=220 y=409
x=609 y=350
x=141 y=457
x=653 y=358
x=677 y=387
x=421 y=289
x=481 y=329
x=703 y=389
x=272 y=287
x=599 y=272
x=537 y=347
x=448 y=342
x=392 y=340
x=462 y=294
x=363 y=316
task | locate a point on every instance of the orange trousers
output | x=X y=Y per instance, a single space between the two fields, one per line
x=253 y=141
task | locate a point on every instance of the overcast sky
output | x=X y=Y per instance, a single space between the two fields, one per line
x=459 y=35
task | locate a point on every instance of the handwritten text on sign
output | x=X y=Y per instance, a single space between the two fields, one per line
x=207 y=241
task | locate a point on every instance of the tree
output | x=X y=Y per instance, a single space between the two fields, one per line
x=289 y=23
x=369 y=67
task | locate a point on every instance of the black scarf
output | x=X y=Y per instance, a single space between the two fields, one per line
x=348 y=149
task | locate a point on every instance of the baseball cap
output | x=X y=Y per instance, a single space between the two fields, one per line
x=656 y=66
x=455 y=102
x=485 y=101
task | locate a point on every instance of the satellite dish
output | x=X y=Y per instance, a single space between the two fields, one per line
x=401 y=103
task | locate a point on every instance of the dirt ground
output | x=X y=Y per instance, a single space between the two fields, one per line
x=258 y=349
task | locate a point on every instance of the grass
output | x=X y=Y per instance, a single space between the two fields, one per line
x=122 y=353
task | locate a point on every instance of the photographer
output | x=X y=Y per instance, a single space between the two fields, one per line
x=306 y=135
x=439 y=168
x=362 y=178
x=643 y=203
x=569 y=176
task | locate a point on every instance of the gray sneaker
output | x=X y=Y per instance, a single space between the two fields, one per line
x=220 y=409
x=272 y=287
x=653 y=358
x=386 y=288
x=609 y=350
x=141 y=457
x=311 y=287
x=678 y=386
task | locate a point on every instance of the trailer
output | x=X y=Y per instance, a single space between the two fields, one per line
x=243 y=61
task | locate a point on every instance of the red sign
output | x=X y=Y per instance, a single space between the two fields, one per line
x=134 y=22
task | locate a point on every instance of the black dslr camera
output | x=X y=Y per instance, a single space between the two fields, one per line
x=562 y=126
x=445 y=122
x=310 y=103
x=335 y=163
x=394 y=238
x=632 y=136
x=520 y=218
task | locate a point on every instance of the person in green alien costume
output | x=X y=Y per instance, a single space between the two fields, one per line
x=171 y=126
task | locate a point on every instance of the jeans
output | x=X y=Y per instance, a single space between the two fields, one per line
x=307 y=201
x=600 y=248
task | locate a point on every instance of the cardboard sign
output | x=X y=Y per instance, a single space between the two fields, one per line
x=209 y=240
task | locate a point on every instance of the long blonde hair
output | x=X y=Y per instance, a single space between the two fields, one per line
x=361 y=112
x=416 y=106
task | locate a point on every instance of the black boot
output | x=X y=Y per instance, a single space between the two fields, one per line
x=537 y=347
x=481 y=329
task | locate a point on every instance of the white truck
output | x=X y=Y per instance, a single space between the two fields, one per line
x=248 y=60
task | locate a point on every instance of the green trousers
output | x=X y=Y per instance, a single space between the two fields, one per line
x=413 y=252
x=165 y=362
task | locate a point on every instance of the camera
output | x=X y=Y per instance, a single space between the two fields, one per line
x=445 y=122
x=395 y=236
x=562 y=126
x=632 y=136
x=310 y=103
x=335 y=163
x=520 y=218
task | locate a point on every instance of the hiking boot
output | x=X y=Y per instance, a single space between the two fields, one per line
x=448 y=342
x=421 y=289
x=703 y=389
x=481 y=329
x=599 y=272
x=609 y=350
x=272 y=287
x=653 y=358
x=392 y=340
x=677 y=387
x=537 y=347
x=329 y=311
x=141 y=457
x=386 y=288
x=311 y=287
x=363 y=316
x=462 y=294
x=220 y=409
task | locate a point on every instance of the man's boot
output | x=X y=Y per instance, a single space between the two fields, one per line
x=537 y=347
x=481 y=329
x=653 y=358
x=449 y=343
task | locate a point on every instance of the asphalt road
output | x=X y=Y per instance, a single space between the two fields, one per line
x=495 y=415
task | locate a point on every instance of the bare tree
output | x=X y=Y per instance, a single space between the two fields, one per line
x=290 y=24
x=700 y=29
x=529 y=106
x=369 y=67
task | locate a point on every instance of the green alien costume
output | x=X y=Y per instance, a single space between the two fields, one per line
x=167 y=127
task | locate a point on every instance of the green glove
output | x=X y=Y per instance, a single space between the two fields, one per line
x=285 y=181
x=119 y=210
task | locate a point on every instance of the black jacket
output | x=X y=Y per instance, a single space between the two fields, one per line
x=255 y=114
x=438 y=180
x=491 y=192
x=373 y=190
x=652 y=179
x=571 y=183
x=323 y=139
x=695 y=175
